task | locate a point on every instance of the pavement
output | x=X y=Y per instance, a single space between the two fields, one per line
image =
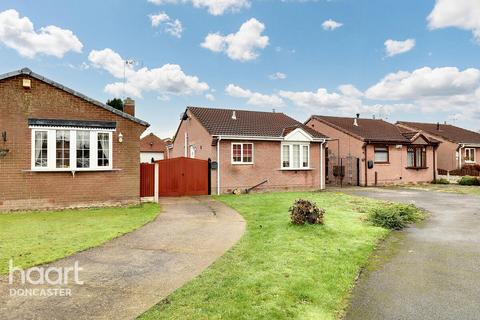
x=428 y=271
x=125 y=277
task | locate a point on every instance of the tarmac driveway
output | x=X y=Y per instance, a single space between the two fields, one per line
x=126 y=276
x=430 y=271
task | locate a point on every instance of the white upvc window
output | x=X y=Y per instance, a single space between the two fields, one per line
x=469 y=155
x=295 y=156
x=242 y=153
x=66 y=149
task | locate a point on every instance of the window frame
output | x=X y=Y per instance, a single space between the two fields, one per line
x=301 y=146
x=472 y=152
x=375 y=152
x=241 y=153
x=423 y=153
x=52 y=148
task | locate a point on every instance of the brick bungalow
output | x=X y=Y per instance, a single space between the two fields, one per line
x=59 y=148
x=153 y=148
x=455 y=141
x=387 y=155
x=251 y=147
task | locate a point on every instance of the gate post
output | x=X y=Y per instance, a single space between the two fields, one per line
x=209 y=176
x=156 y=182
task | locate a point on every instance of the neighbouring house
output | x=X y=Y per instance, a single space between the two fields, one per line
x=370 y=152
x=250 y=148
x=60 y=148
x=152 y=148
x=459 y=146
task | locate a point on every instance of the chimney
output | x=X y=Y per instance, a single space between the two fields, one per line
x=234 y=115
x=355 y=122
x=129 y=106
x=358 y=115
x=438 y=126
x=373 y=117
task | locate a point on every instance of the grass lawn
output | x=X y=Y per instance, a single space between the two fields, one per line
x=452 y=188
x=33 y=238
x=279 y=270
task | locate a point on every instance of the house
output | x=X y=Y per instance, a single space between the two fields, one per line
x=371 y=152
x=60 y=148
x=456 y=141
x=269 y=150
x=152 y=148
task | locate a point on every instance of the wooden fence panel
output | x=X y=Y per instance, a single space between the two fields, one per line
x=183 y=177
x=147 y=180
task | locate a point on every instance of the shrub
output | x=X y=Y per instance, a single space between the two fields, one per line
x=394 y=216
x=441 y=181
x=469 y=181
x=304 y=211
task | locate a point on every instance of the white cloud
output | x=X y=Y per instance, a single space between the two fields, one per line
x=463 y=14
x=166 y=80
x=425 y=82
x=347 y=101
x=394 y=47
x=173 y=27
x=214 y=7
x=322 y=100
x=278 y=76
x=254 y=98
x=158 y=19
x=241 y=45
x=19 y=34
x=210 y=97
x=331 y=25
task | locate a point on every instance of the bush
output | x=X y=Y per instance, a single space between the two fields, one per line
x=304 y=211
x=394 y=216
x=469 y=181
x=441 y=181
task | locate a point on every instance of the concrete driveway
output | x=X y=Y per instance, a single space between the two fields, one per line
x=430 y=271
x=125 y=277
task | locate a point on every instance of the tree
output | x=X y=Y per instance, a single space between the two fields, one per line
x=116 y=103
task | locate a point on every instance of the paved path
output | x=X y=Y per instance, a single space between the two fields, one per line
x=431 y=271
x=125 y=277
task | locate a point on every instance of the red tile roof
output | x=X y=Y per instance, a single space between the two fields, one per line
x=248 y=123
x=446 y=131
x=371 y=130
x=152 y=143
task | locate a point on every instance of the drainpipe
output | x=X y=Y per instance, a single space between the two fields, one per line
x=366 y=164
x=218 y=164
x=322 y=184
x=460 y=156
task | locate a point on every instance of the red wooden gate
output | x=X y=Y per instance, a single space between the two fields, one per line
x=147 y=180
x=183 y=176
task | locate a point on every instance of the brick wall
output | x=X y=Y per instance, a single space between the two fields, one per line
x=23 y=189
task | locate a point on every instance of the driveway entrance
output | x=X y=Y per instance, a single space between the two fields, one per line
x=126 y=276
x=430 y=271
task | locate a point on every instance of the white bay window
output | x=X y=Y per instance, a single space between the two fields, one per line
x=295 y=156
x=68 y=149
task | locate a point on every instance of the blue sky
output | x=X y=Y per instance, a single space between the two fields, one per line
x=431 y=73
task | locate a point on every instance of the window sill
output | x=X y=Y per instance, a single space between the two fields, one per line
x=296 y=169
x=241 y=163
x=384 y=163
x=71 y=170
x=416 y=168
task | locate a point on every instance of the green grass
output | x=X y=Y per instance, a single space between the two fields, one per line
x=279 y=270
x=32 y=238
x=451 y=188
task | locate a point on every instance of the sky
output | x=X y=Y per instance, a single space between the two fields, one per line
x=405 y=60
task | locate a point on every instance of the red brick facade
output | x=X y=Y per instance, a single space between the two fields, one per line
x=20 y=188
